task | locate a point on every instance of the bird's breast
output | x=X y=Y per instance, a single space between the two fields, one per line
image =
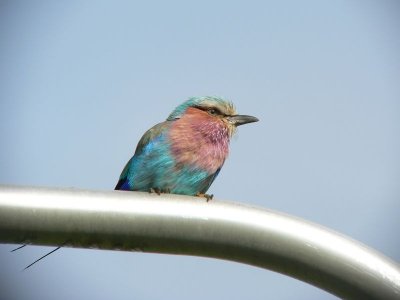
x=199 y=145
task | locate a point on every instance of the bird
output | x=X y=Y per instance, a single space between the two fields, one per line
x=184 y=154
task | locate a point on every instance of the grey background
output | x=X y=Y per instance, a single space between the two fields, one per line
x=80 y=82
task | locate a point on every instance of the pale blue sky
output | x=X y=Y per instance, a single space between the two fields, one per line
x=81 y=82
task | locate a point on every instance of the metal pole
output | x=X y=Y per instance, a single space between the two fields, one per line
x=134 y=221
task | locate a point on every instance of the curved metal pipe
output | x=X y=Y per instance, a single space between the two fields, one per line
x=134 y=221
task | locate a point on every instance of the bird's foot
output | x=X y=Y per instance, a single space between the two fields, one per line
x=155 y=191
x=207 y=196
x=159 y=191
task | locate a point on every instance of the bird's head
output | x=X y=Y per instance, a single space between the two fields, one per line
x=213 y=110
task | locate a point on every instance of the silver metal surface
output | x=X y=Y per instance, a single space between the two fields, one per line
x=133 y=221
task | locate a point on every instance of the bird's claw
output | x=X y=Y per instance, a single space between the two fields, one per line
x=207 y=196
x=155 y=190
x=159 y=191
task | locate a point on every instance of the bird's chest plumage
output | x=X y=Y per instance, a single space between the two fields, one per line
x=199 y=143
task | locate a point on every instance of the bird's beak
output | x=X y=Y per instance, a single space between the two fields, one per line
x=241 y=119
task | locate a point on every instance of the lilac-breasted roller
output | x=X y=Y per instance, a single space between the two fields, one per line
x=184 y=154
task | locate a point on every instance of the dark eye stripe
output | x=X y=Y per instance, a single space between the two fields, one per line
x=207 y=109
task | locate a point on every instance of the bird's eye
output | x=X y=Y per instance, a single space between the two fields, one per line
x=212 y=111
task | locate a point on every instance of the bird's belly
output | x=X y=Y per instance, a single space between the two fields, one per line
x=190 y=182
x=169 y=178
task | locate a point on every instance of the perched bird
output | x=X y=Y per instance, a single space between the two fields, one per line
x=184 y=154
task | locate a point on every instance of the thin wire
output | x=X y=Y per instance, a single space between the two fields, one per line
x=41 y=258
x=18 y=248
x=47 y=254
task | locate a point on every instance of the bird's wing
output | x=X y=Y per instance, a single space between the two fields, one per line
x=151 y=136
x=144 y=148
